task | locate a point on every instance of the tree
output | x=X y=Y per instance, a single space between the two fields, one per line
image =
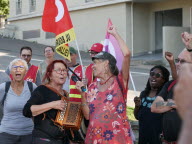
x=4 y=7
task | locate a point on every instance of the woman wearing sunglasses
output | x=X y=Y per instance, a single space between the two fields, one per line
x=150 y=123
x=15 y=128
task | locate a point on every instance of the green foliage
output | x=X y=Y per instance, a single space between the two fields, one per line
x=130 y=114
x=4 y=7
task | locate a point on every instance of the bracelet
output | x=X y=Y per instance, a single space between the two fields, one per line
x=83 y=104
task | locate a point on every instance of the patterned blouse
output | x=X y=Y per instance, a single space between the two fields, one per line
x=108 y=120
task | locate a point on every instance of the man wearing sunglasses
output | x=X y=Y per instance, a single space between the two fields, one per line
x=165 y=103
x=32 y=74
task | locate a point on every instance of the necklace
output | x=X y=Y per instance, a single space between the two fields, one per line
x=106 y=80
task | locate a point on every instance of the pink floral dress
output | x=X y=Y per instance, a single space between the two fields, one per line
x=108 y=121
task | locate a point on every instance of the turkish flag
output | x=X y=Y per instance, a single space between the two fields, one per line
x=56 y=18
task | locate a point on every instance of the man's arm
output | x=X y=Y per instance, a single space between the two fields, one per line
x=161 y=106
x=182 y=95
x=170 y=58
x=185 y=135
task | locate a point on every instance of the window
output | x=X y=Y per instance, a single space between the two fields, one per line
x=18 y=6
x=32 y=5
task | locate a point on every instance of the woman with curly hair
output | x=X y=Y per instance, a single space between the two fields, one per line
x=150 y=126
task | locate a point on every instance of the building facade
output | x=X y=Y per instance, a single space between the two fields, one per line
x=146 y=25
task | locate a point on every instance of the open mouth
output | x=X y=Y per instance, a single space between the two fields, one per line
x=18 y=75
x=62 y=78
x=153 y=81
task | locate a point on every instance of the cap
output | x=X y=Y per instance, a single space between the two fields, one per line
x=72 y=50
x=106 y=56
x=97 y=47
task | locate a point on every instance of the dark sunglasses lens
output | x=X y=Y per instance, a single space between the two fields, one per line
x=158 y=75
x=152 y=73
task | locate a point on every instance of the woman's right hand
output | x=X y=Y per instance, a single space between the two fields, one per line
x=78 y=85
x=59 y=104
x=137 y=101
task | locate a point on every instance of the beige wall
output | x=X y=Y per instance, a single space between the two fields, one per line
x=90 y=24
x=141 y=28
x=26 y=8
x=172 y=41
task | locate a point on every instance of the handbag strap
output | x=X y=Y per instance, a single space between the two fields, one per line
x=66 y=94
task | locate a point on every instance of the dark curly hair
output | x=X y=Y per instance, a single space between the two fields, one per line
x=166 y=75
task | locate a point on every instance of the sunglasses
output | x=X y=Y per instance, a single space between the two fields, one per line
x=157 y=75
x=28 y=56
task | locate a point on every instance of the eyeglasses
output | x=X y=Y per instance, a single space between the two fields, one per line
x=14 y=67
x=48 y=51
x=181 y=61
x=59 y=71
x=157 y=75
x=28 y=56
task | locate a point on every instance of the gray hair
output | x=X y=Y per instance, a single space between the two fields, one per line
x=17 y=60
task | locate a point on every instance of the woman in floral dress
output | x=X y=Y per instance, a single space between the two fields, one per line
x=104 y=105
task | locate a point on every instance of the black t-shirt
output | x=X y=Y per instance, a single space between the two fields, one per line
x=164 y=93
x=149 y=123
x=41 y=95
x=171 y=119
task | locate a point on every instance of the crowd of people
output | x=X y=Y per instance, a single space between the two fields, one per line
x=33 y=99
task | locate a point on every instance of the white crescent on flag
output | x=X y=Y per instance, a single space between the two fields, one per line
x=61 y=10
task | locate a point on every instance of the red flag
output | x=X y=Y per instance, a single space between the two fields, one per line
x=56 y=18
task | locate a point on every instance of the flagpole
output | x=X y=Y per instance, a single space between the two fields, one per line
x=77 y=46
x=133 y=84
